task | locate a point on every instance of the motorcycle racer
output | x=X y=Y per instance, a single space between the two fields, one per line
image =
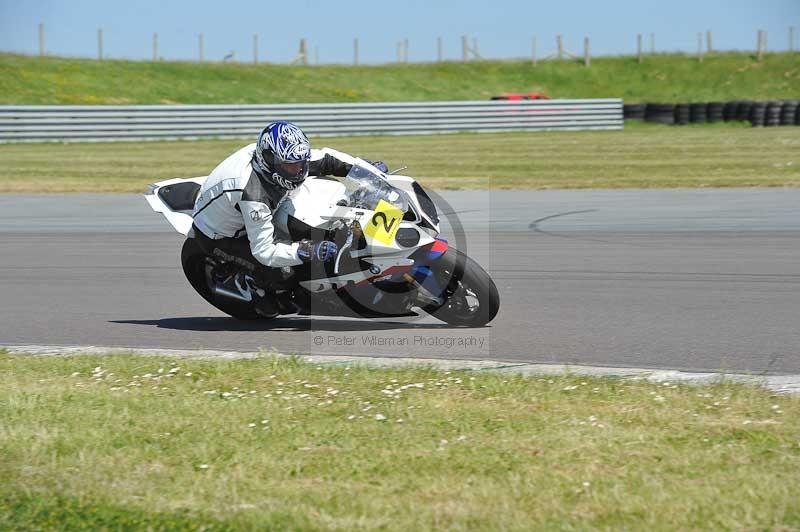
x=241 y=193
x=233 y=210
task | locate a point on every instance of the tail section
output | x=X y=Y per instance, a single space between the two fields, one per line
x=174 y=198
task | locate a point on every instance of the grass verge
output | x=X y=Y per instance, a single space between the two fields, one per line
x=641 y=156
x=134 y=442
x=665 y=77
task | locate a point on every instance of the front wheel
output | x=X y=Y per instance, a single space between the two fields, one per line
x=470 y=295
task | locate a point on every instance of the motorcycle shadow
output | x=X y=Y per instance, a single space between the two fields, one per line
x=285 y=324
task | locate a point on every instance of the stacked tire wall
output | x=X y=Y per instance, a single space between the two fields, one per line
x=769 y=114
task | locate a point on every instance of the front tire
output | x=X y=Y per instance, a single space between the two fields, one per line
x=470 y=297
x=198 y=268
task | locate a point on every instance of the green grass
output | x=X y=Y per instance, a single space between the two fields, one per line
x=673 y=78
x=127 y=442
x=641 y=156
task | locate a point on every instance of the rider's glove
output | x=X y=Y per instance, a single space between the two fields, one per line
x=323 y=251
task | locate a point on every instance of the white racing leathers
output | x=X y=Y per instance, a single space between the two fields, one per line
x=234 y=200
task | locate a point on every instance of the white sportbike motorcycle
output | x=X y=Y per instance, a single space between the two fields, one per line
x=390 y=259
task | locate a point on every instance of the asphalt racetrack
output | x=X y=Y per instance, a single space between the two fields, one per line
x=679 y=279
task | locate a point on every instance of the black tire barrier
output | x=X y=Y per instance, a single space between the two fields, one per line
x=660 y=113
x=697 y=113
x=714 y=111
x=758 y=111
x=743 y=110
x=788 y=112
x=682 y=114
x=633 y=111
x=729 y=111
x=773 y=114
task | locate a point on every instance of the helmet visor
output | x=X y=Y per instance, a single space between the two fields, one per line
x=292 y=170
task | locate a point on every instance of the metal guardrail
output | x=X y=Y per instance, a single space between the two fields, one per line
x=41 y=123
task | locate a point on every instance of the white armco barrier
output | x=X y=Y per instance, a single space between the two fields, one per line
x=37 y=123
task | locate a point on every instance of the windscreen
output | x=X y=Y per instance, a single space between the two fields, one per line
x=366 y=187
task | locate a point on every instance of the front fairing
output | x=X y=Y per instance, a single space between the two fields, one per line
x=383 y=211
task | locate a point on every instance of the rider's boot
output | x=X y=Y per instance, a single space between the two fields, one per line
x=278 y=291
x=284 y=284
x=266 y=307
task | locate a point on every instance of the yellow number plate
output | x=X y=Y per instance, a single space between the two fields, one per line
x=384 y=223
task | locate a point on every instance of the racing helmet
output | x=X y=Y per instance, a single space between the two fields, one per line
x=282 y=154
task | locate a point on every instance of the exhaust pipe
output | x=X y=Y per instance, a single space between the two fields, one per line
x=243 y=294
x=230 y=294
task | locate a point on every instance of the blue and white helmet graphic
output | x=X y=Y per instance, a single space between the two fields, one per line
x=282 y=154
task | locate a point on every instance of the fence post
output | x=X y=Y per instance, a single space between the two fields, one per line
x=758 y=45
x=439 y=52
x=100 y=44
x=41 y=40
x=791 y=38
x=405 y=50
x=560 y=45
x=200 y=47
x=709 y=41
x=255 y=48
x=762 y=44
x=652 y=44
x=639 y=48
x=533 y=51
x=586 y=59
x=700 y=47
x=464 y=48
x=355 y=51
x=303 y=52
x=155 y=47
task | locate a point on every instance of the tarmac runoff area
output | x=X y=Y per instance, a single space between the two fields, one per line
x=671 y=282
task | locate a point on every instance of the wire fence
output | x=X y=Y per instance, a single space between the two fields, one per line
x=470 y=49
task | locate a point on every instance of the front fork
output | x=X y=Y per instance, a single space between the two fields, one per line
x=422 y=278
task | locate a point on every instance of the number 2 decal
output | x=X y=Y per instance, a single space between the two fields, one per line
x=384 y=223
x=387 y=226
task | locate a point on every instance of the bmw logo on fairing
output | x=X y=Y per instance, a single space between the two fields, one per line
x=374 y=270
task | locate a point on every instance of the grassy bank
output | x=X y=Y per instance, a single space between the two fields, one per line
x=642 y=156
x=133 y=442
x=673 y=78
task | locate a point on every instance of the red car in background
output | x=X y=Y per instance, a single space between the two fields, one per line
x=521 y=96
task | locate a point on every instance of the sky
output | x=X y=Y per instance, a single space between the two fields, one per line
x=504 y=28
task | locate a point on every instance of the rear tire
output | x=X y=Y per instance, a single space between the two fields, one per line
x=196 y=267
x=467 y=284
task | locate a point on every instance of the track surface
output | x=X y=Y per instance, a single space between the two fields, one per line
x=695 y=280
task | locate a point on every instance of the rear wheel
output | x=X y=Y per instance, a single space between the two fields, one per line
x=201 y=272
x=470 y=296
